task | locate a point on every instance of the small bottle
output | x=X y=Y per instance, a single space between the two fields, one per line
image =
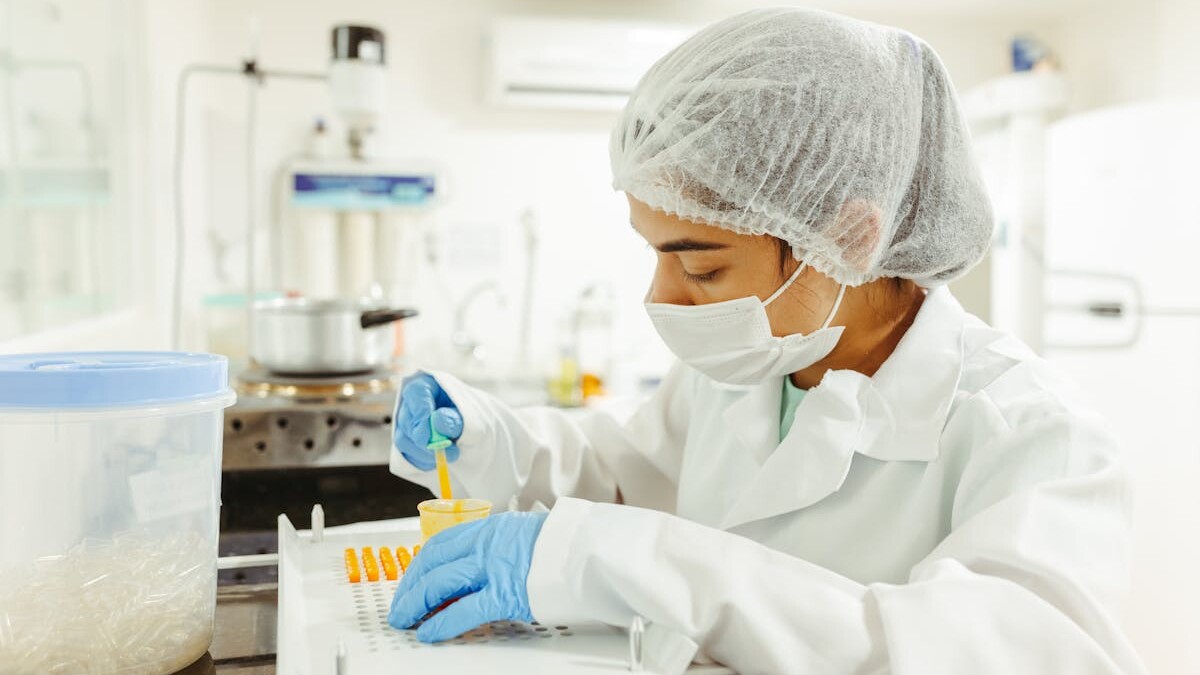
x=320 y=143
x=1030 y=54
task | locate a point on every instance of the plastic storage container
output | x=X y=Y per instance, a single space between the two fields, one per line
x=110 y=471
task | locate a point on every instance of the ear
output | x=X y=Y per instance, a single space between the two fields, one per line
x=859 y=232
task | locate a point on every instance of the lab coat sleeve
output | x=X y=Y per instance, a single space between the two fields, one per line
x=540 y=454
x=1018 y=586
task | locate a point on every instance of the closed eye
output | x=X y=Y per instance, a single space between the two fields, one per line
x=701 y=278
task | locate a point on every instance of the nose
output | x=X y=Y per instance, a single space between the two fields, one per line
x=667 y=288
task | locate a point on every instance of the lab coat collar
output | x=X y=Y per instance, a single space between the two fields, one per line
x=897 y=415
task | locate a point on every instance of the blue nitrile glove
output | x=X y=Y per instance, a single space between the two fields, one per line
x=483 y=562
x=422 y=399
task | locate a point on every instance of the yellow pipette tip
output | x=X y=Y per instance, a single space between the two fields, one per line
x=443 y=473
x=438 y=443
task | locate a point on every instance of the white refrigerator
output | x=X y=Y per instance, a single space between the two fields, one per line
x=1121 y=261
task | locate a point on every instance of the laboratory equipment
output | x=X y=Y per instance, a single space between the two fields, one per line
x=109 y=494
x=339 y=215
x=391 y=565
x=344 y=224
x=338 y=232
x=347 y=227
x=301 y=336
x=441 y=514
x=299 y=421
x=338 y=223
x=358 y=80
x=438 y=443
x=223 y=326
x=323 y=612
x=592 y=338
x=343 y=228
x=292 y=440
x=471 y=352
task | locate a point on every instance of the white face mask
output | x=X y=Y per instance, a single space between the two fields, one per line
x=731 y=341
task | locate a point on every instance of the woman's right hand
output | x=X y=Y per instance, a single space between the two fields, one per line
x=422 y=401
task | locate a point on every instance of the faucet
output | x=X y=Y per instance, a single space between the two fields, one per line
x=467 y=346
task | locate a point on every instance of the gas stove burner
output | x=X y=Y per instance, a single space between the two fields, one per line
x=261 y=383
x=282 y=421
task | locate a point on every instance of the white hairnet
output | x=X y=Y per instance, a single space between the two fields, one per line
x=841 y=137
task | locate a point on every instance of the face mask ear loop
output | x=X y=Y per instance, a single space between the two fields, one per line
x=836 y=304
x=784 y=287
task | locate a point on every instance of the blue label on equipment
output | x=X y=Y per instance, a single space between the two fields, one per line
x=360 y=192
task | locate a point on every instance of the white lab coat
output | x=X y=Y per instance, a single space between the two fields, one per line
x=959 y=513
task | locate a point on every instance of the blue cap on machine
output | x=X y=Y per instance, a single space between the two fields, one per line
x=108 y=379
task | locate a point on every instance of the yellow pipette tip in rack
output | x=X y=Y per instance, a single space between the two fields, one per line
x=388 y=563
x=370 y=565
x=353 y=575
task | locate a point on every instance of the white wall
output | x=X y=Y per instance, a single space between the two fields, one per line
x=1179 y=53
x=501 y=162
x=1129 y=50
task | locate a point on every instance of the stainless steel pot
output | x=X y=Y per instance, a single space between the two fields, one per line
x=296 y=336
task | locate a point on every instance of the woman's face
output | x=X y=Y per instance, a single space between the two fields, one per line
x=701 y=264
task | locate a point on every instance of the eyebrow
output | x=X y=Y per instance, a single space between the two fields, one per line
x=679 y=245
x=688 y=244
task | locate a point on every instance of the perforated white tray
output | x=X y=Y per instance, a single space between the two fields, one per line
x=320 y=612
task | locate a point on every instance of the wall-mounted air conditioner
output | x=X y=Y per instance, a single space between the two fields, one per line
x=582 y=64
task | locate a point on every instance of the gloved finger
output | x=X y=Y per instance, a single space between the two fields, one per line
x=448 y=422
x=444 y=583
x=442 y=548
x=417 y=410
x=421 y=389
x=417 y=455
x=468 y=613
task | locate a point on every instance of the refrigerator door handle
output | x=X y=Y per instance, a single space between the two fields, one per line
x=1103 y=309
x=1113 y=309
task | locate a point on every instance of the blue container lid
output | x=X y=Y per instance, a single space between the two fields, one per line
x=106 y=379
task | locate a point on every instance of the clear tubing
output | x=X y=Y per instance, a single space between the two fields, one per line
x=177 y=185
x=180 y=131
x=251 y=220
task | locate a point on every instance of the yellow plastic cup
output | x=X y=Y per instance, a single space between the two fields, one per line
x=441 y=514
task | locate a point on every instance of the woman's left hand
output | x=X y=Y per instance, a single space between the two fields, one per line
x=483 y=564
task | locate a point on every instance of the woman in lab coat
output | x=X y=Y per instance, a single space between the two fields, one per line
x=844 y=472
